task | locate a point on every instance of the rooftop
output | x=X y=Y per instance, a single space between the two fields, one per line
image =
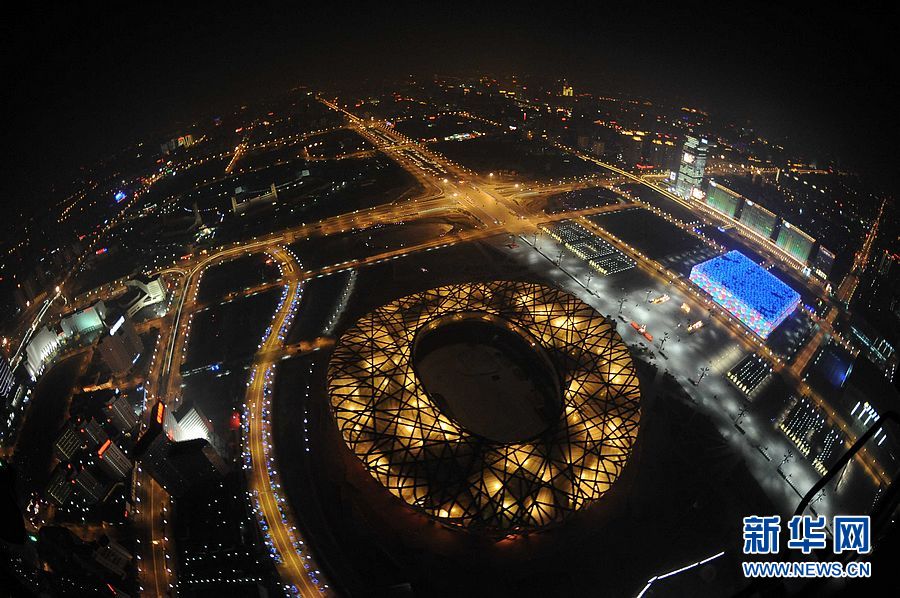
x=740 y=284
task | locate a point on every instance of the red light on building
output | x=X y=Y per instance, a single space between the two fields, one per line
x=103 y=448
x=235 y=422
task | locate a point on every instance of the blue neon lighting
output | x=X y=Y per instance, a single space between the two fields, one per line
x=748 y=292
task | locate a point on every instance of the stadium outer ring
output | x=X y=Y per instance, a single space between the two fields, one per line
x=422 y=456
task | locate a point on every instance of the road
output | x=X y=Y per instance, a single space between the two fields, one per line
x=843 y=295
x=295 y=566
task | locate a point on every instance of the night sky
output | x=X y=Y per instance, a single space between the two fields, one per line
x=85 y=80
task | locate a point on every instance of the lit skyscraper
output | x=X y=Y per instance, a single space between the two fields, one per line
x=693 y=161
x=7 y=380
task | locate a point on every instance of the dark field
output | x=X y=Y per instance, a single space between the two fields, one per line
x=229 y=332
x=235 y=275
x=507 y=154
x=654 y=236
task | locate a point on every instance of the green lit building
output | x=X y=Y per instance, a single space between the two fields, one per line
x=722 y=199
x=794 y=241
x=758 y=219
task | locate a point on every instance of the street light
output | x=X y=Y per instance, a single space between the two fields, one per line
x=787 y=457
x=703 y=371
x=662 y=343
x=819 y=497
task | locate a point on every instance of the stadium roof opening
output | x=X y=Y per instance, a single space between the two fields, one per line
x=751 y=294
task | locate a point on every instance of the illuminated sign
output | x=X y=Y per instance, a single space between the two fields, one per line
x=119 y=196
x=159 y=412
x=687 y=158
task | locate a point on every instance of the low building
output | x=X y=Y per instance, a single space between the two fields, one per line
x=85 y=321
x=40 y=349
x=143 y=293
x=112 y=556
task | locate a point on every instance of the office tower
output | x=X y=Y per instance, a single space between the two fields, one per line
x=690 y=171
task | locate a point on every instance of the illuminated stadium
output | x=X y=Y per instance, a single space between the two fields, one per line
x=497 y=407
x=749 y=293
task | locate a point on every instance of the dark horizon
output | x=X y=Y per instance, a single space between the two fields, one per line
x=87 y=81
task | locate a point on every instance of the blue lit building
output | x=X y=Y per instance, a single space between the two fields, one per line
x=747 y=291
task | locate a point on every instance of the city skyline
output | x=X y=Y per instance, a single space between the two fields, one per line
x=789 y=72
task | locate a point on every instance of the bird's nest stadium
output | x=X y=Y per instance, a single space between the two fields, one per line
x=564 y=427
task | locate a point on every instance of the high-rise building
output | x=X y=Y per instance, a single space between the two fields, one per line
x=7 y=379
x=823 y=263
x=113 y=461
x=93 y=434
x=69 y=442
x=122 y=347
x=198 y=461
x=632 y=147
x=120 y=414
x=176 y=466
x=693 y=163
x=875 y=346
x=189 y=424
x=89 y=486
x=61 y=484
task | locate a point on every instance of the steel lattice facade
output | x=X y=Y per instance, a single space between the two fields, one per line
x=424 y=457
